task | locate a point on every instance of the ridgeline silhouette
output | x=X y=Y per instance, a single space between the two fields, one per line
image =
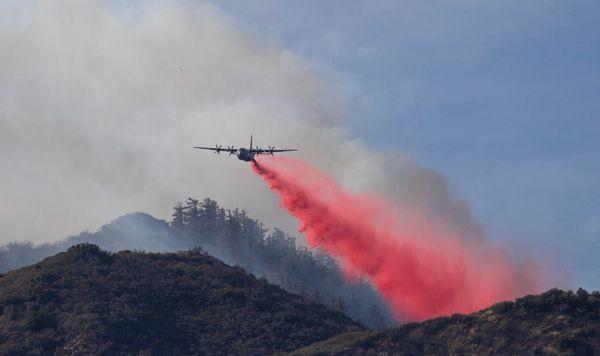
x=237 y=239
x=553 y=323
x=88 y=301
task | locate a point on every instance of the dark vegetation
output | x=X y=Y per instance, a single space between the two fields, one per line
x=553 y=323
x=236 y=239
x=88 y=301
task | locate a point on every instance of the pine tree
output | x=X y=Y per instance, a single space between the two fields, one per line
x=178 y=217
x=209 y=214
x=230 y=236
x=220 y=221
x=191 y=212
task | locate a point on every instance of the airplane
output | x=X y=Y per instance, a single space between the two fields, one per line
x=245 y=154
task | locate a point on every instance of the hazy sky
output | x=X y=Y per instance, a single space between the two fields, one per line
x=497 y=102
x=501 y=97
x=101 y=103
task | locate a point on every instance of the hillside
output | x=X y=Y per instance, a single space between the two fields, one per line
x=555 y=322
x=87 y=301
x=233 y=237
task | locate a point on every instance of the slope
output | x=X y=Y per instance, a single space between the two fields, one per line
x=235 y=238
x=87 y=301
x=555 y=322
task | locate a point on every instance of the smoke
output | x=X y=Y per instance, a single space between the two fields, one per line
x=100 y=105
x=420 y=267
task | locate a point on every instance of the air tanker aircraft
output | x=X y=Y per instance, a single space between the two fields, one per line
x=245 y=154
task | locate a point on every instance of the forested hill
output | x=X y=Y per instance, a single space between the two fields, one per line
x=87 y=301
x=553 y=323
x=235 y=238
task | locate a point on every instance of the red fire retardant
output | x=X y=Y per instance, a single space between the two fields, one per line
x=420 y=269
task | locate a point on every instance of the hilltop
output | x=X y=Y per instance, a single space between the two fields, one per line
x=88 y=301
x=233 y=237
x=553 y=323
x=66 y=302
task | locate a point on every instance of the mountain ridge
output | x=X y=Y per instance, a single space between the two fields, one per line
x=235 y=238
x=89 y=301
x=555 y=322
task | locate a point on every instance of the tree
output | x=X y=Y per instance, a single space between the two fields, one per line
x=208 y=215
x=178 y=217
x=191 y=212
x=230 y=236
x=220 y=221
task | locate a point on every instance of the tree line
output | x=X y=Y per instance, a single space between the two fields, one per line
x=239 y=239
x=234 y=237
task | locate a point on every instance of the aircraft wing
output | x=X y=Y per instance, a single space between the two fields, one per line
x=262 y=151
x=286 y=150
x=218 y=149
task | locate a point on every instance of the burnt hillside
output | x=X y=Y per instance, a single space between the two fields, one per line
x=87 y=301
x=553 y=323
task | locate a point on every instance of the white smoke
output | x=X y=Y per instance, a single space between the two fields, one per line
x=99 y=111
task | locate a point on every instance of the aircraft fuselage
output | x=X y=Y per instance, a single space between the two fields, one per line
x=245 y=154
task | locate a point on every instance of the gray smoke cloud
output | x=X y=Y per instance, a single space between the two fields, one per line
x=100 y=108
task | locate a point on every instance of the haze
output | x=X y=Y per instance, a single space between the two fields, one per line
x=101 y=102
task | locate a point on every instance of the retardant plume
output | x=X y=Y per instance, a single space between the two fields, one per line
x=421 y=270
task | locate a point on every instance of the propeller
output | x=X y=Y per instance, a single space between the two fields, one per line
x=271 y=148
x=218 y=149
x=231 y=150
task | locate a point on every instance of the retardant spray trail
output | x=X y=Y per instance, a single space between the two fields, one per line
x=421 y=270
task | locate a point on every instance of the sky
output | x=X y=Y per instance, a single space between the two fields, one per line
x=485 y=113
x=501 y=97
